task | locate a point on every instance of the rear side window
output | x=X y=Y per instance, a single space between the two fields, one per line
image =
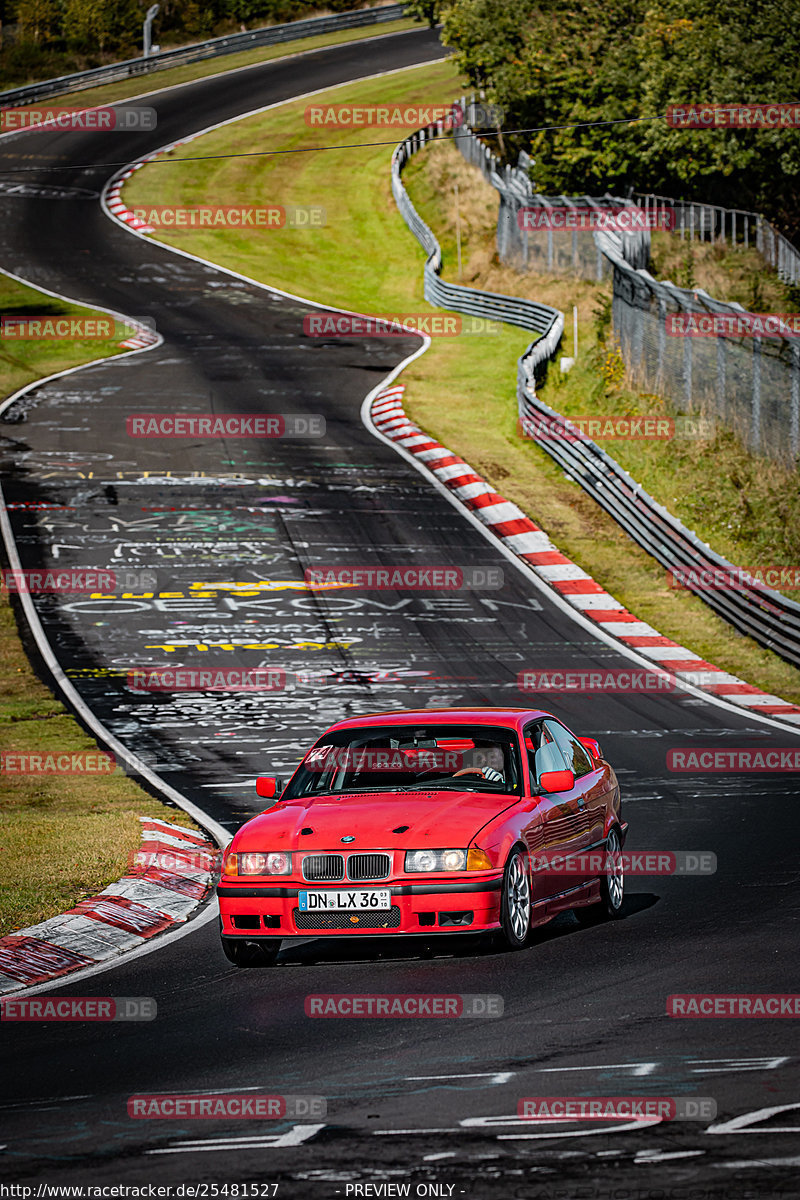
x=577 y=759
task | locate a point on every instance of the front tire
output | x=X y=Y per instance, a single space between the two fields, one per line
x=612 y=886
x=243 y=953
x=515 y=904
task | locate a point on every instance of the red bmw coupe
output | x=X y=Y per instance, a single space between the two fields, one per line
x=435 y=821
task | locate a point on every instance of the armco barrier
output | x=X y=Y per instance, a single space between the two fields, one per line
x=769 y=618
x=213 y=48
x=539 y=318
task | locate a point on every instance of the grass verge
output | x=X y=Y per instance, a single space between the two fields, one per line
x=462 y=391
x=64 y=837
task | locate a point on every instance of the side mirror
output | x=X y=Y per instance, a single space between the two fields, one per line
x=556 y=781
x=593 y=747
x=269 y=786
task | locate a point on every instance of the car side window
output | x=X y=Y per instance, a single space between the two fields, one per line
x=576 y=757
x=543 y=751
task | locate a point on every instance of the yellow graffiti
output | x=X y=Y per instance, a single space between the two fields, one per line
x=171 y=647
x=251 y=588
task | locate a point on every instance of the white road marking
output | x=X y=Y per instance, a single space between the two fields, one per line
x=637 y=1069
x=743 y=1163
x=736 y=1064
x=657 y=1156
x=741 y=1124
x=526 y=1122
x=276 y=1141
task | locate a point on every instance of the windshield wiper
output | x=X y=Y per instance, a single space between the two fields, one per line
x=459 y=785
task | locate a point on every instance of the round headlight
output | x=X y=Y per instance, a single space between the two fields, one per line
x=277 y=864
x=453 y=860
x=252 y=864
x=424 y=860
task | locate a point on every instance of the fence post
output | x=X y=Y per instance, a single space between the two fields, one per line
x=755 y=421
x=662 y=344
x=687 y=372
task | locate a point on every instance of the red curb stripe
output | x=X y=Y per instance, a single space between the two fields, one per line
x=33 y=961
x=619 y=615
x=123 y=914
x=484 y=500
x=505 y=529
x=546 y=558
x=188 y=835
x=578 y=587
x=648 y=640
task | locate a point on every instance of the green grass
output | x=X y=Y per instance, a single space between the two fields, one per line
x=65 y=837
x=732 y=273
x=463 y=390
x=22 y=362
x=62 y=837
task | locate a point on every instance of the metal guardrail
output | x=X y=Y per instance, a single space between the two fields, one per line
x=539 y=318
x=768 y=617
x=213 y=48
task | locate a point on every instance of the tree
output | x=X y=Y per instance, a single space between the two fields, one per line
x=39 y=21
x=592 y=81
x=425 y=10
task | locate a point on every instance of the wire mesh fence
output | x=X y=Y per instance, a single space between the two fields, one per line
x=709 y=358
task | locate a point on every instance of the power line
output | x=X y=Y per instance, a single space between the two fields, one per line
x=346 y=145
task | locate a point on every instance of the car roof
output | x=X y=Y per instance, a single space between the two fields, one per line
x=511 y=718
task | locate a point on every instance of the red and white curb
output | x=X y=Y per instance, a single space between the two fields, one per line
x=122 y=916
x=113 y=196
x=140 y=338
x=143 y=336
x=114 y=199
x=530 y=543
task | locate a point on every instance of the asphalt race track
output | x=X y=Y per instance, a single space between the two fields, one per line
x=424 y=1102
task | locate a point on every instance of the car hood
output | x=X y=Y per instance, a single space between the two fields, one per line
x=440 y=819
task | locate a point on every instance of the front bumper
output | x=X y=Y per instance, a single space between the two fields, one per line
x=430 y=907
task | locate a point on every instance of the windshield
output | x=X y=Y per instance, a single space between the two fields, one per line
x=407 y=758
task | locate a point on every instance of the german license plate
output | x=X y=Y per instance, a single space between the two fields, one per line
x=359 y=900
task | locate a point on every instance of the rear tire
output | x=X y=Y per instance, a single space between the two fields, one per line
x=243 y=953
x=515 y=904
x=612 y=886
